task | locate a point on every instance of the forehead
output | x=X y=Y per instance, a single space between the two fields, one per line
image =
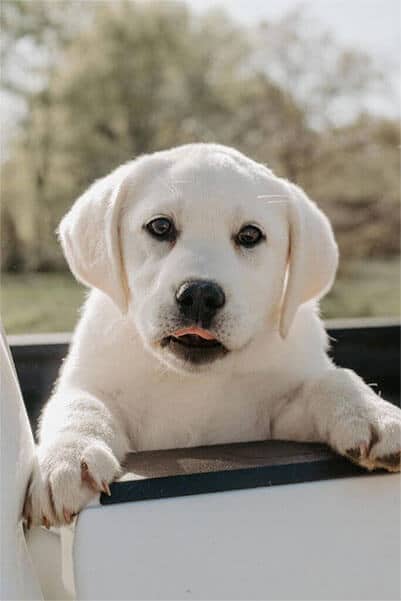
x=203 y=185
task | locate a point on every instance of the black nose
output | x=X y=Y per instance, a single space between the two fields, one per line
x=199 y=300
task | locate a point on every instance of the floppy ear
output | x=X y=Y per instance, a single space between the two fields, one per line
x=89 y=235
x=313 y=256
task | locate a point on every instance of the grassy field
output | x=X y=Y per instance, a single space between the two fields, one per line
x=369 y=288
x=49 y=302
x=40 y=302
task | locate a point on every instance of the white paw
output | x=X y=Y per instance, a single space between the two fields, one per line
x=372 y=437
x=66 y=475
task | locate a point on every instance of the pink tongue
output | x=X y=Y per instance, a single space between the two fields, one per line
x=196 y=331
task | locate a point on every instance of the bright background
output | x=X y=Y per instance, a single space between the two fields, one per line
x=311 y=89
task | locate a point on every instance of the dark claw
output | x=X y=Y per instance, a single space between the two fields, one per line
x=106 y=488
x=391 y=460
x=45 y=522
x=68 y=516
x=87 y=477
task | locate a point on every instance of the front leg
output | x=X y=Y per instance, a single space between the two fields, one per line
x=339 y=409
x=80 y=448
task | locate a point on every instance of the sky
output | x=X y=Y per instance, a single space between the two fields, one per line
x=370 y=25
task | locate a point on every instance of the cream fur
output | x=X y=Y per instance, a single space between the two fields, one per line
x=120 y=391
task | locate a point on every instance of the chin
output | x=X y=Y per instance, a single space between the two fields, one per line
x=188 y=354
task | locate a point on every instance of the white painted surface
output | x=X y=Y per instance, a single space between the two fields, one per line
x=29 y=569
x=17 y=576
x=338 y=539
x=45 y=548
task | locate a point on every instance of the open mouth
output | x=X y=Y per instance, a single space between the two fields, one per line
x=195 y=345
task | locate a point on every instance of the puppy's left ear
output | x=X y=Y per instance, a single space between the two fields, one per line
x=313 y=255
x=89 y=235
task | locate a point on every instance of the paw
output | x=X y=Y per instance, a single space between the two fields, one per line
x=66 y=475
x=372 y=440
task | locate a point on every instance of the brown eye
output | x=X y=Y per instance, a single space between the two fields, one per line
x=162 y=228
x=249 y=236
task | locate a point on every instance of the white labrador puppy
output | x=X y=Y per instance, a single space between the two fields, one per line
x=202 y=326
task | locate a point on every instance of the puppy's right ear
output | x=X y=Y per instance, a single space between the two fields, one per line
x=89 y=235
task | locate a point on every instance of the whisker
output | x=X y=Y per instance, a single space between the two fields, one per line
x=284 y=196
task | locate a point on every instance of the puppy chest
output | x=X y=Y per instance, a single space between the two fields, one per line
x=196 y=418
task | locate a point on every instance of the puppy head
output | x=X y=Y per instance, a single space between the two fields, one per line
x=204 y=249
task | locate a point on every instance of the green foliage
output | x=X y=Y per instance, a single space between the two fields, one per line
x=106 y=81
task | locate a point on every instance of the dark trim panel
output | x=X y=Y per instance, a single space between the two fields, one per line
x=193 y=484
x=373 y=352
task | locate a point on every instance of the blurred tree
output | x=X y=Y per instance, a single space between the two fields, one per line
x=34 y=37
x=142 y=79
x=116 y=79
x=330 y=84
x=356 y=179
x=11 y=247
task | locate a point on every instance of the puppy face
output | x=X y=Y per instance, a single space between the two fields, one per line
x=205 y=248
